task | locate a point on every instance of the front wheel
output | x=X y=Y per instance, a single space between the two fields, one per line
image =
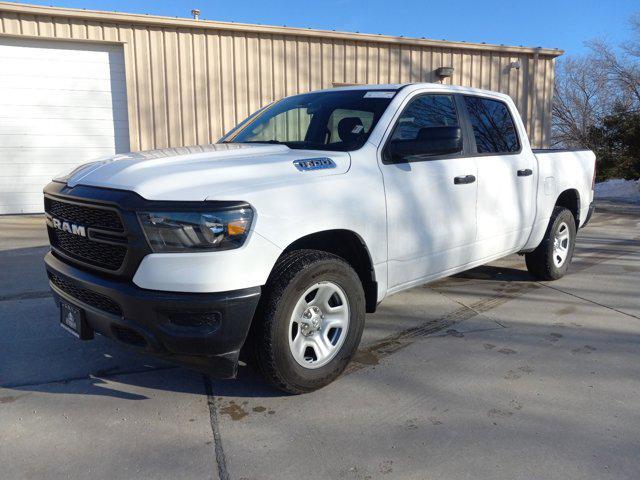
x=309 y=322
x=551 y=259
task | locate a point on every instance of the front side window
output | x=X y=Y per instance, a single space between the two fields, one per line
x=427 y=127
x=338 y=121
x=424 y=113
x=493 y=126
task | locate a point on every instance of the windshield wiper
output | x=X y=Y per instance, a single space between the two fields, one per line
x=274 y=142
x=294 y=145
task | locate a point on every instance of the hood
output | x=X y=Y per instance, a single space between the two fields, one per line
x=204 y=172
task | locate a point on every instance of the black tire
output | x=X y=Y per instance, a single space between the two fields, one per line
x=294 y=273
x=540 y=262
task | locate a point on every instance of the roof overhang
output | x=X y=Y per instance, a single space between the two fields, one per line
x=171 y=22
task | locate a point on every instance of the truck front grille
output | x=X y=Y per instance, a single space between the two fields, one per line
x=75 y=290
x=109 y=257
x=104 y=244
x=95 y=217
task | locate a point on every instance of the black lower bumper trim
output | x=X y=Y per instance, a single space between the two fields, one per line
x=200 y=330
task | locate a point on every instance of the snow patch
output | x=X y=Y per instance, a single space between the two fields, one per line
x=628 y=190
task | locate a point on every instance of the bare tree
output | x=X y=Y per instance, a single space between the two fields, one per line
x=622 y=71
x=581 y=100
x=589 y=89
x=622 y=67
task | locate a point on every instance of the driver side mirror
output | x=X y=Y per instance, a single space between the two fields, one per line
x=429 y=141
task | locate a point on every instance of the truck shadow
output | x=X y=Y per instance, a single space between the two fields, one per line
x=497 y=273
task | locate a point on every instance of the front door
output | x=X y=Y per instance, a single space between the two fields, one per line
x=430 y=188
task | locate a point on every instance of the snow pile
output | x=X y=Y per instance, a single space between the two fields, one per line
x=628 y=190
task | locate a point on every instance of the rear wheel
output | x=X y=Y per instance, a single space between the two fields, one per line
x=309 y=322
x=551 y=259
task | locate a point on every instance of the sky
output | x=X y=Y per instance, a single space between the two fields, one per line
x=563 y=24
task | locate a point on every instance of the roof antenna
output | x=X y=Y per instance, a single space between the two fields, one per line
x=196 y=14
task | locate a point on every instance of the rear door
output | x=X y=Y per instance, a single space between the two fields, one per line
x=431 y=198
x=506 y=174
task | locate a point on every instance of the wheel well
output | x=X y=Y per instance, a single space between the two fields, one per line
x=349 y=246
x=570 y=199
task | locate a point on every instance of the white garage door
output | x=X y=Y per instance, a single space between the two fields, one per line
x=61 y=104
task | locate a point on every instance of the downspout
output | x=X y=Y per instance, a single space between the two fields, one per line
x=533 y=95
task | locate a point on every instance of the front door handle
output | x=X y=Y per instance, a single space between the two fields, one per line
x=464 y=179
x=525 y=172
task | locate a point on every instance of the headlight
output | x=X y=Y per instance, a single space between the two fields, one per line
x=196 y=231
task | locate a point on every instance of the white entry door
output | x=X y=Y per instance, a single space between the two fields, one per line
x=61 y=104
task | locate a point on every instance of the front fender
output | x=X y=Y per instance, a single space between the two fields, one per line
x=244 y=267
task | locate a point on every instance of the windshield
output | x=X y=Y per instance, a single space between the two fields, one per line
x=340 y=120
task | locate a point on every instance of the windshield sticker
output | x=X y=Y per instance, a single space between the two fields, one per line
x=379 y=94
x=357 y=129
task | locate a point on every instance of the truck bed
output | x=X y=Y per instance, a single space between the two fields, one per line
x=564 y=169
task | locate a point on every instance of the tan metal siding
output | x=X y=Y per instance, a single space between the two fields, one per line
x=190 y=85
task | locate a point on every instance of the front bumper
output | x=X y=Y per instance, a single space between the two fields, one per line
x=199 y=330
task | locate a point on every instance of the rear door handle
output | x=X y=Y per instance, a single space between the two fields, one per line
x=525 y=172
x=464 y=179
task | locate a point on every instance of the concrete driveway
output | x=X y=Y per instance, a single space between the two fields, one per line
x=485 y=375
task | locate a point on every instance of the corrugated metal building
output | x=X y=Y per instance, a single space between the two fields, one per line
x=76 y=84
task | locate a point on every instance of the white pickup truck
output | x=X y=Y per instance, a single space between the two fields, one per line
x=281 y=236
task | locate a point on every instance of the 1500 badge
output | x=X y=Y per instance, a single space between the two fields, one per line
x=69 y=227
x=314 y=164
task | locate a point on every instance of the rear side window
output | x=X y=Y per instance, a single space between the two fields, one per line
x=493 y=126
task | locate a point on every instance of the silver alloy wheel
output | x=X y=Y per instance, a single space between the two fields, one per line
x=319 y=324
x=561 y=241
